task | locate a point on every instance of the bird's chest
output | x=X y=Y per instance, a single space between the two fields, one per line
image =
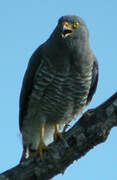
x=72 y=87
x=61 y=93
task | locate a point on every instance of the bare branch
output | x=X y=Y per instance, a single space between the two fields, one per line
x=92 y=129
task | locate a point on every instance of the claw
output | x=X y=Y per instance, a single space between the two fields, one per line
x=65 y=127
x=40 y=149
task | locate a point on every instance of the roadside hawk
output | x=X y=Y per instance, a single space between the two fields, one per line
x=59 y=82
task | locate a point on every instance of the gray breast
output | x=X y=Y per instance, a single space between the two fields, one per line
x=58 y=94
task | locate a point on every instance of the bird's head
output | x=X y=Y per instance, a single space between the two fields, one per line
x=72 y=27
x=70 y=34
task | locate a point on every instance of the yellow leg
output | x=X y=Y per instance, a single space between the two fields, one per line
x=41 y=146
x=57 y=133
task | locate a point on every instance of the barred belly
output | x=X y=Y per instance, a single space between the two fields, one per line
x=60 y=95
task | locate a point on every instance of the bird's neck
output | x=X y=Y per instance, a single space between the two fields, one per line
x=63 y=55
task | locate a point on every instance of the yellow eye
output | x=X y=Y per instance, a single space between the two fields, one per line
x=75 y=25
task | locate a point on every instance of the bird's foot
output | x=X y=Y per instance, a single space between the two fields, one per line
x=57 y=134
x=40 y=149
x=42 y=145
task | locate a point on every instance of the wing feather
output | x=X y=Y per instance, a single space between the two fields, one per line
x=95 y=74
x=27 y=84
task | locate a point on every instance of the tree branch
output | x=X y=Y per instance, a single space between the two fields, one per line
x=91 y=129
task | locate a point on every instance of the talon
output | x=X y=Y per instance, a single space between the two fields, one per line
x=65 y=127
x=41 y=146
x=57 y=134
x=40 y=149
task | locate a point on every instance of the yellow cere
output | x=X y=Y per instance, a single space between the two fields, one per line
x=65 y=23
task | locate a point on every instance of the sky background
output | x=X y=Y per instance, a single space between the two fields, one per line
x=24 y=25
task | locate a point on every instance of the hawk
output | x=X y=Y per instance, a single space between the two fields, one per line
x=60 y=80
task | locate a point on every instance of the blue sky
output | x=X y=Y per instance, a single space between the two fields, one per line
x=24 y=26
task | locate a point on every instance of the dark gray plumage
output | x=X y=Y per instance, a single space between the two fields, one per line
x=59 y=82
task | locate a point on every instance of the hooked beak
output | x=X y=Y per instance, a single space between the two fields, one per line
x=67 y=29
